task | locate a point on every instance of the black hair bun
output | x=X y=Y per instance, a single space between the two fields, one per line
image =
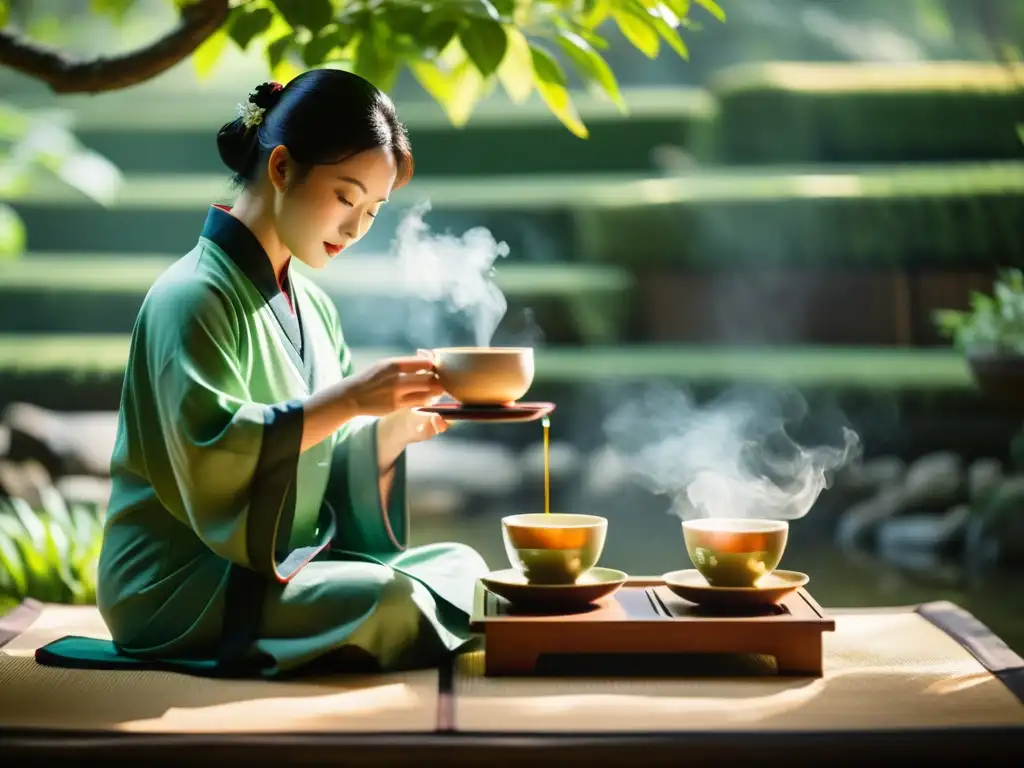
x=234 y=144
x=266 y=95
x=235 y=141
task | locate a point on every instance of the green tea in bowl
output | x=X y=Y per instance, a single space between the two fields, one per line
x=735 y=552
x=554 y=548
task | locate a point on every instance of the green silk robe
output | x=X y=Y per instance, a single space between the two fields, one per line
x=226 y=549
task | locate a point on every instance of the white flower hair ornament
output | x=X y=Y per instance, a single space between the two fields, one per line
x=251 y=115
x=260 y=100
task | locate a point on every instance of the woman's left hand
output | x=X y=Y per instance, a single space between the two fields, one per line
x=408 y=426
x=404 y=427
x=399 y=429
x=422 y=426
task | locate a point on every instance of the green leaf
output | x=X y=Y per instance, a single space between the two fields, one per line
x=55 y=507
x=57 y=553
x=485 y=8
x=5 y=11
x=319 y=48
x=516 y=71
x=114 y=9
x=374 y=59
x=248 y=24
x=711 y=7
x=595 y=13
x=506 y=8
x=12 y=232
x=949 y=321
x=485 y=43
x=591 y=65
x=666 y=23
x=313 y=15
x=50 y=555
x=91 y=173
x=596 y=41
x=276 y=50
x=436 y=36
x=30 y=522
x=457 y=89
x=637 y=27
x=209 y=51
x=546 y=68
x=86 y=523
x=551 y=84
x=29 y=536
x=13 y=576
x=678 y=7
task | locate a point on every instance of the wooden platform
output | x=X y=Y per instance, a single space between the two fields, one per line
x=645 y=617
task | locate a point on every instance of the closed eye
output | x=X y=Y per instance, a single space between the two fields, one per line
x=346 y=202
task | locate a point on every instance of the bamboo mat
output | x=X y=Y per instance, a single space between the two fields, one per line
x=36 y=696
x=883 y=670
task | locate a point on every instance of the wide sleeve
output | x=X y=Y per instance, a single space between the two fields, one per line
x=231 y=463
x=363 y=524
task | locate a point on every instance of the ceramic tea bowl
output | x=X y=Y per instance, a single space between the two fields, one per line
x=735 y=552
x=485 y=375
x=555 y=548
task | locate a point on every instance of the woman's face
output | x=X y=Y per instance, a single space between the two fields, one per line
x=333 y=206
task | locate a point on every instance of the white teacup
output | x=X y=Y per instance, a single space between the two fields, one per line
x=485 y=375
x=735 y=552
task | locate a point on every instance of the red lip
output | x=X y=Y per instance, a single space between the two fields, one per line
x=333 y=250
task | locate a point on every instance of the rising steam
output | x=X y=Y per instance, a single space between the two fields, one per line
x=451 y=275
x=733 y=457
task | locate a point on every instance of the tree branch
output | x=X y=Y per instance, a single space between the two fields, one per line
x=63 y=74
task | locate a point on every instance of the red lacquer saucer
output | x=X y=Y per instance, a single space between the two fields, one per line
x=494 y=413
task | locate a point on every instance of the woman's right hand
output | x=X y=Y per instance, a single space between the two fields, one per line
x=392 y=384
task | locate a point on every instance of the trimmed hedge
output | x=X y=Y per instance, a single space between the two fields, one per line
x=498 y=139
x=936 y=215
x=532 y=234
x=86 y=293
x=931 y=217
x=828 y=367
x=867 y=113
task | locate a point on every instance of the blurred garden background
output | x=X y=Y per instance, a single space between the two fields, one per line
x=823 y=198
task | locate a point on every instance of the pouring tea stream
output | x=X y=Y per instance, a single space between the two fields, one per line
x=546 y=423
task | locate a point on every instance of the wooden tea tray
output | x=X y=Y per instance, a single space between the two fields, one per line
x=645 y=617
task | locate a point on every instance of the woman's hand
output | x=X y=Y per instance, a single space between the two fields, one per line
x=389 y=386
x=402 y=428
x=409 y=426
x=395 y=432
x=397 y=384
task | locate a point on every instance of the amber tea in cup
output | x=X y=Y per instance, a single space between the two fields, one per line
x=553 y=548
x=735 y=552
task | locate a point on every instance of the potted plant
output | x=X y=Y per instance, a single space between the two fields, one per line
x=991 y=336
